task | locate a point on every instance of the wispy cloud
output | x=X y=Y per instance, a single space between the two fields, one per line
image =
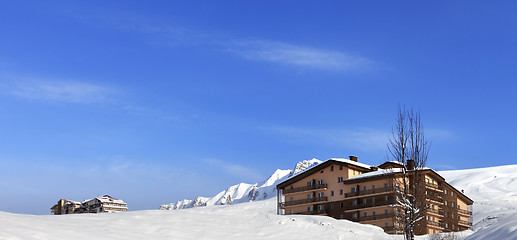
x=234 y=169
x=362 y=139
x=58 y=91
x=279 y=52
x=289 y=54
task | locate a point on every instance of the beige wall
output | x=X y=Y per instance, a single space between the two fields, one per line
x=330 y=177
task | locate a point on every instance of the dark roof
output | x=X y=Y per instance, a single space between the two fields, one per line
x=319 y=167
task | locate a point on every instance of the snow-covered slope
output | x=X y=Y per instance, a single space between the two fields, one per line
x=246 y=221
x=244 y=192
x=494 y=191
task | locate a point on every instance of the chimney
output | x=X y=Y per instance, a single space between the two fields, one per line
x=410 y=164
x=353 y=158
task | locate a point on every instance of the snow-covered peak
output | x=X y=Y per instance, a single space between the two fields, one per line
x=245 y=192
x=304 y=165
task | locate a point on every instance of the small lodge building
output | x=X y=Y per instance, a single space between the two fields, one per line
x=346 y=189
x=99 y=204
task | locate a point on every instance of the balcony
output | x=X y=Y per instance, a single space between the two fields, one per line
x=465 y=212
x=433 y=186
x=368 y=192
x=304 y=201
x=435 y=224
x=434 y=198
x=304 y=189
x=465 y=223
x=435 y=211
x=369 y=205
x=373 y=217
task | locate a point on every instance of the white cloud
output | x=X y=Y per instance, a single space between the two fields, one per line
x=59 y=91
x=171 y=35
x=363 y=139
x=289 y=54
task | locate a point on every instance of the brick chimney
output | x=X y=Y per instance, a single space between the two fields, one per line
x=410 y=164
x=353 y=158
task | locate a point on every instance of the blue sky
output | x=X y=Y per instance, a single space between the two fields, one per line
x=157 y=102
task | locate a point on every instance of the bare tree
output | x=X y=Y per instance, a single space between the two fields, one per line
x=409 y=147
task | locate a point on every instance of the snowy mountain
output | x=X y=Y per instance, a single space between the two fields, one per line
x=244 y=192
x=494 y=191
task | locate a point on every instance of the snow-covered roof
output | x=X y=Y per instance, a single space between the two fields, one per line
x=379 y=172
x=107 y=198
x=351 y=162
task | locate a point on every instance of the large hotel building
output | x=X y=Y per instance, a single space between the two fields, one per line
x=347 y=189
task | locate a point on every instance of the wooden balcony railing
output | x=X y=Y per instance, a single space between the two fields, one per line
x=305 y=188
x=367 y=192
x=305 y=201
x=434 y=198
x=367 y=205
x=437 y=211
x=374 y=217
x=432 y=185
x=465 y=223
x=436 y=224
x=465 y=212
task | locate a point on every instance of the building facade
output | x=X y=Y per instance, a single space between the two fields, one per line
x=99 y=204
x=347 y=189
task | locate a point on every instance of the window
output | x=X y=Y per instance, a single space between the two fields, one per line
x=341 y=204
x=309 y=196
x=453 y=227
x=292 y=186
x=354 y=216
x=354 y=202
x=321 y=207
x=321 y=194
x=364 y=200
x=340 y=179
x=452 y=204
x=341 y=192
x=331 y=168
x=446 y=225
x=353 y=189
x=332 y=206
x=309 y=184
x=452 y=215
x=373 y=213
x=332 y=193
x=364 y=188
x=373 y=200
x=321 y=182
x=386 y=211
x=385 y=185
x=291 y=199
x=292 y=211
x=365 y=214
x=386 y=198
x=340 y=167
x=445 y=202
x=373 y=186
x=321 y=171
x=446 y=214
x=310 y=209
x=386 y=224
x=340 y=216
x=452 y=194
x=445 y=191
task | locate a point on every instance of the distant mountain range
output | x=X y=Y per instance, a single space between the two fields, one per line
x=244 y=192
